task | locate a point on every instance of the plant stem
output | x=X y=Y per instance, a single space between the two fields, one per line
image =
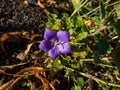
x=93 y=77
x=76 y=10
x=99 y=7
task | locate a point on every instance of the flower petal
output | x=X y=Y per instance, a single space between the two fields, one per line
x=46 y=45
x=49 y=34
x=63 y=36
x=54 y=52
x=64 y=48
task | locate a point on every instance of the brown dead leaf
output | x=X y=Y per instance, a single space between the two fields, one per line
x=40 y=4
x=51 y=1
x=35 y=36
x=28 y=48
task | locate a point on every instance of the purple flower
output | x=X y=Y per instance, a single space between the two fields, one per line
x=55 y=43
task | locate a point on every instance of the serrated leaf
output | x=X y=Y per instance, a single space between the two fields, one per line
x=80 y=81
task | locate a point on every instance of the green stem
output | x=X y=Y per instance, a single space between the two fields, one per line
x=94 y=78
x=76 y=10
x=99 y=7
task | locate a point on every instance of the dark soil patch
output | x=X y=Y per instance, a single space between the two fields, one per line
x=20 y=25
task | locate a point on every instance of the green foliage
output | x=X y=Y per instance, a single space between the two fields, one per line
x=117 y=8
x=94 y=39
x=79 y=84
x=75 y=65
x=102 y=9
x=26 y=83
x=76 y=88
x=80 y=81
x=81 y=36
x=54 y=22
x=76 y=3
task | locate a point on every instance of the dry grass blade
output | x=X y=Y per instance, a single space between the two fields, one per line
x=12 y=66
x=31 y=70
x=45 y=82
x=28 y=47
x=9 y=84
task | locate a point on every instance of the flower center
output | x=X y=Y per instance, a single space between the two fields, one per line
x=56 y=43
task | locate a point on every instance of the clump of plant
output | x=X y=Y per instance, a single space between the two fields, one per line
x=85 y=45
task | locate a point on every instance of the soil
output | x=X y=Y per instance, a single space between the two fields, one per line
x=21 y=23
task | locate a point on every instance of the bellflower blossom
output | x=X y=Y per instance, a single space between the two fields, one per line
x=55 y=43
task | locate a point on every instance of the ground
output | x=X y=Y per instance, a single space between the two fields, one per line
x=21 y=23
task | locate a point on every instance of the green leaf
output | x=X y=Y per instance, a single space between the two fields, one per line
x=54 y=24
x=91 y=83
x=78 y=21
x=96 y=19
x=49 y=24
x=81 y=36
x=70 y=23
x=57 y=65
x=71 y=31
x=80 y=81
x=52 y=15
x=65 y=61
x=76 y=3
x=69 y=73
x=65 y=15
x=81 y=54
x=112 y=24
x=76 y=88
x=75 y=65
x=117 y=9
x=78 y=7
x=102 y=9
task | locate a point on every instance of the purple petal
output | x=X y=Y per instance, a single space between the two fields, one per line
x=54 y=52
x=64 y=48
x=49 y=34
x=63 y=36
x=46 y=45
